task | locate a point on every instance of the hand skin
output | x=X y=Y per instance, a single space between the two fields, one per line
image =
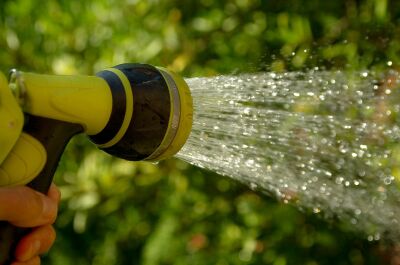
x=24 y=207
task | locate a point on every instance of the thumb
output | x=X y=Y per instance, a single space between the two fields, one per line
x=25 y=207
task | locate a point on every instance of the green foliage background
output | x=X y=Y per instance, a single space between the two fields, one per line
x=118 y=212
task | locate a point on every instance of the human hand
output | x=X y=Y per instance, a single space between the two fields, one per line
x=24 y=207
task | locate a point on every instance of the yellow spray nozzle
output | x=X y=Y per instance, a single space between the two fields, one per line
x=133 y=111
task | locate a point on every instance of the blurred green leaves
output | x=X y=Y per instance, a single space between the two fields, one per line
x=219 y=36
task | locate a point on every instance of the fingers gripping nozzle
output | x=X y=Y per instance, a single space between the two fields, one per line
x=151 y=113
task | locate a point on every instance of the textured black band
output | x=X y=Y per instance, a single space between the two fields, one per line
x=151 y=113
x=118 y=108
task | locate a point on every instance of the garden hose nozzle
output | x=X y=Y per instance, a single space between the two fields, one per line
x=151 y=113
x=132 y=111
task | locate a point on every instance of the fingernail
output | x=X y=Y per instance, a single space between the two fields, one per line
x=49 y=210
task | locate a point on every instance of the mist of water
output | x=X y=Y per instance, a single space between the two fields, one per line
x=324 y=141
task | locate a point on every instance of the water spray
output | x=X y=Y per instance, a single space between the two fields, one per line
x=132 y=111
x=325 y=141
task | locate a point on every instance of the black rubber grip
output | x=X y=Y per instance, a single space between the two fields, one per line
x=54 y=135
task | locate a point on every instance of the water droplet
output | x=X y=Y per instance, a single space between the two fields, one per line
x=253 y=186
x=339 y=180
x=387 y=180
x=363 y=146
x=249 y=162
x=316 y=210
